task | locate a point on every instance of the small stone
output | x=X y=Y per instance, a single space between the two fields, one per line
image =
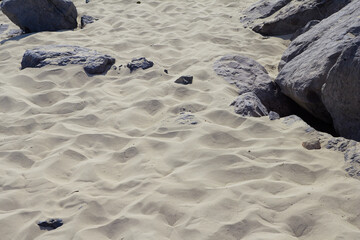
x=138 y=2
x=50 y=224
x=86 y=19
x=139 y=63
x=273 y=115
x=185 y=80
x=166 y=71
x=312 y=144
x=87 y=1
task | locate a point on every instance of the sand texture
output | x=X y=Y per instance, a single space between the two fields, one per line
x=135 y=156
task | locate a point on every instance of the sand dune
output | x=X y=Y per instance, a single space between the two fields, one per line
x=135 y=156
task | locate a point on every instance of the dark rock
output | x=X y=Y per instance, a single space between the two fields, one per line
x=279 y=17
x=307 y=27
x=50 y=224
x=249 y=105
x=250 y=76
x=61 y=55
x=86 y=19
x=139 y=63
x=273 y=115
x=312 y=144
x=166 y=71
x=341 y=91
x=87 y=1
x=41 y=15
x=185 y=80
x=306 y=64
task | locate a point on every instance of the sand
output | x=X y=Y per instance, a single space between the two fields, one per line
x=135 y=156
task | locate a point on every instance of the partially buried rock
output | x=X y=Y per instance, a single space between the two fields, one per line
x=312 y=144
x=137 y=63
x=3 y=28
x=86 y=19
x=41 y=15
x=273 y=115
x=249 y=76
x=61 y=55
x=185 y=80
x=50 y=224
x=249 y=105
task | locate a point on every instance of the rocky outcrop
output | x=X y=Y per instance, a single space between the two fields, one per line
x=41 y=15
x=250 y=76
x=341 y=91
x=319 y=70
x=61 y=55
x=279 y=17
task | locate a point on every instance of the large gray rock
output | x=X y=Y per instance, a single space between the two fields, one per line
x=61 y=55
x=279 y=17
x=249 y=76
x=341 y=92
x=41 y=15
x=306 y=64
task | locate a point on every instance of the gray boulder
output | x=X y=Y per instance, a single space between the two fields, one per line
x=305 y=74
x=61 y=55
x=341 y=91
x=279 y=17
x=41 y=15
x=303 y=30
x=249 y=105
x=249 y=76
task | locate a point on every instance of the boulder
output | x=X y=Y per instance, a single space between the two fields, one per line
x=249 y=105
x=306 y=64
x=249 y=76
x=341 y=92
x=41 y=15
x=61 y=55
x=279 y=17
x=307 y=27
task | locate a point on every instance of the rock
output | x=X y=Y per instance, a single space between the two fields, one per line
x=307 y=27
x=185 y=80
x=50 y=224
x=87 y=1
x=86 y=19
x=139 y=63
x=280 y=17
x=319 y=70
x=61 y=55
x=341 y=91
x=312 y=144
x=250 y=76
x=187 y=119
x=41 y=15
x=273 y=115
x=249 y=105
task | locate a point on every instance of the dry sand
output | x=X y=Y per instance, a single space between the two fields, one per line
x=117 y=157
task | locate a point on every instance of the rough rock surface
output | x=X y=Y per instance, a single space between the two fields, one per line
x=41 y=15
x=341 y=92
x=249 y=105
x=61 y=55
x=86 y=19
x=307 y=27
x=279 y=17
x=306 y=64
x=250 y=76
x=137 y=63
x=185 y=80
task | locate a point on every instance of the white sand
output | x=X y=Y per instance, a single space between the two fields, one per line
x=108 y=154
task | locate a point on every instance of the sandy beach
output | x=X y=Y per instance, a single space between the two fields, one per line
x=132 y=156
